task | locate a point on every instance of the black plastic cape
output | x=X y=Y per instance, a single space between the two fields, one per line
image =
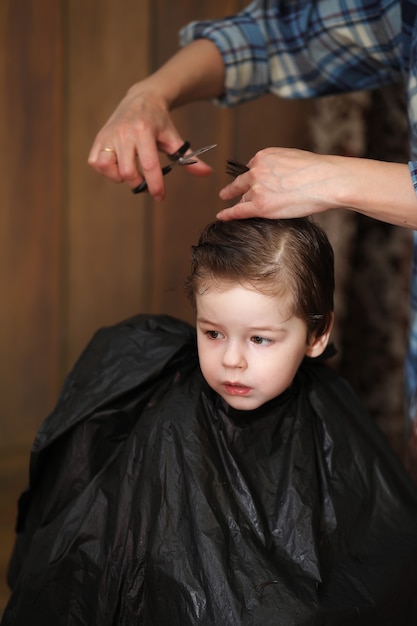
x=151 y=502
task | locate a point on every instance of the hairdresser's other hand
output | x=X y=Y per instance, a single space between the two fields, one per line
x=286 y=182
x=282 y=183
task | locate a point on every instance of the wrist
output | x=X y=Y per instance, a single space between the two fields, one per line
x=379 y=189
x=156 y=90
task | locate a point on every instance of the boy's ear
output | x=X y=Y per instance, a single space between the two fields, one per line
x=317 y=345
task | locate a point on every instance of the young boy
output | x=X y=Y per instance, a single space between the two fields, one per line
x=263 y=291
x=242 y=486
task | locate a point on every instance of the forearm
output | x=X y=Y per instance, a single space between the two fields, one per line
x=195 y=72
x=380 y=190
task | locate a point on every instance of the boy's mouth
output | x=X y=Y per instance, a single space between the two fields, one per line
x=236 y=389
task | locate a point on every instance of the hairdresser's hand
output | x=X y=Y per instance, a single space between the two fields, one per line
x=126 y=148
x=284 y=183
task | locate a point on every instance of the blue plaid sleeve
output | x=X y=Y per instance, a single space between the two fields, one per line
x=413 y=171
x=305 y=48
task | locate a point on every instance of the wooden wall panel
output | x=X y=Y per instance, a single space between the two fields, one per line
x=31 y=227
x=107 y=255
x=31 y=239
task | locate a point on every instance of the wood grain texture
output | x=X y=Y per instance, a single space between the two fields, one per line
x=31 y=240
x=107 y=240
x=31 y=220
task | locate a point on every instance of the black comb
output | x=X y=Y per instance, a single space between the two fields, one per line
x=234 y=167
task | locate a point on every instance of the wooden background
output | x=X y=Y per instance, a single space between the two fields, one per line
x=76 y=251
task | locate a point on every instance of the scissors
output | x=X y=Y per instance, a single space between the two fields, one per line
x=178 y=158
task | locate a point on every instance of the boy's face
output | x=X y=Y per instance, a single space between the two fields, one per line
x=249 y=344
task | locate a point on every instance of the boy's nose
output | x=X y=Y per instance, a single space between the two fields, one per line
x=233 y=356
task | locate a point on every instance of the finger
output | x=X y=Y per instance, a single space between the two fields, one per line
x=96 y=149
x=142 y=165
x=199 y=169
x=239 y=211
x=172 y=144
x=153 y=175
x=236 y=188
x=105 y=161
x=149 y=165
x=129 y=165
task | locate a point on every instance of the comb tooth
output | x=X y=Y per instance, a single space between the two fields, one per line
x=232 y=171
x=234 y=167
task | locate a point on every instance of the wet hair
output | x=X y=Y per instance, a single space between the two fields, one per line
x=292 y=256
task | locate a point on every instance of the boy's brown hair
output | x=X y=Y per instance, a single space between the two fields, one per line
x=291 y=256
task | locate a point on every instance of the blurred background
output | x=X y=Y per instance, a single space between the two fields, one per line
x=78 y=252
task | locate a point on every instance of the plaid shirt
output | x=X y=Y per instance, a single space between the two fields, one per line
x=311 y=48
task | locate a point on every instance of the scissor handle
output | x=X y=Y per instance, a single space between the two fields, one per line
x=180 y=152
x=173 y=157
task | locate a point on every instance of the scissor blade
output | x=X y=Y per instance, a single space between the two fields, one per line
x=181 y=161
x=186 y=158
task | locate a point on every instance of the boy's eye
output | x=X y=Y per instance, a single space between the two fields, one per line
x=260 y=341
x=213 y=334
